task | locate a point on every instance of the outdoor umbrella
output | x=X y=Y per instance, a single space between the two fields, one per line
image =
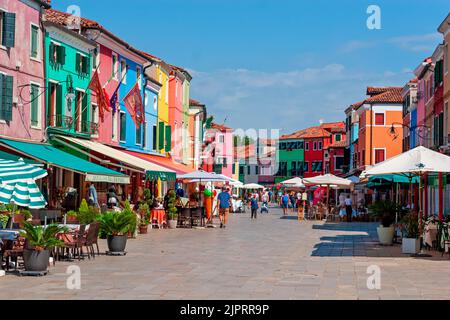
x=328 y=180
x=413 y=163
x=18 y=171
x=252 y=186
x=294 y=182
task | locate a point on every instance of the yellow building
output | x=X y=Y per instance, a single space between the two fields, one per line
x=163 y=72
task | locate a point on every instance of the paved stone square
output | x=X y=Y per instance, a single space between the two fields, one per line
x=273 y=257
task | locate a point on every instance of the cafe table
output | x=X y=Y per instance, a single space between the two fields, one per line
x=158 y=215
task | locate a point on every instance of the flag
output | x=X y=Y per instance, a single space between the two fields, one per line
x=95 y=86
x=133 y=102
x=114 y=99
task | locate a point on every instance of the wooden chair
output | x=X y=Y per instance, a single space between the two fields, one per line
x=91 y=239
x=13 y=251
x=198 y=215
x=75 y=241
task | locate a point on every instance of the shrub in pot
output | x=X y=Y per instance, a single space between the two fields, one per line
x=40 y=240
x=116 y=226
x=385 y=212
x=410 y=233
x=172 y=212
x=87 y=214
x=72 y=217
x=144 y=215
x=4 y=218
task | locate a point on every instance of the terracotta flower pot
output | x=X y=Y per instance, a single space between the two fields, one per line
x=143 y=229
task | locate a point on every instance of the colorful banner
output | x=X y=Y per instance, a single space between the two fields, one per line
x=133 y=102
x=319 y=195
x=102 y=102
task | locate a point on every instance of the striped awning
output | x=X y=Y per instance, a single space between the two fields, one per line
x=18 y=171
x=23 y=194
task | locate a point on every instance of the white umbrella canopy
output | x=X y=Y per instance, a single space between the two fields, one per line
x=294 y=182
x=328 y=180
x=411 y=163
x=252 y=186
x=203 y=176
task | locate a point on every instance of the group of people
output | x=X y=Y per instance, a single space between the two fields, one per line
x=295 y=201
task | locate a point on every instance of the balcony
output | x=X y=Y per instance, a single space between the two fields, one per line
x=66 y=123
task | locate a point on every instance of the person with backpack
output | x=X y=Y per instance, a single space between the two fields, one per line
x=285 y=202
x=254 y=206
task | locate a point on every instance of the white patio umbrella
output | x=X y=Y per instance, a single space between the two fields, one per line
x=203 y=176
x=328 y=180
x=294 y=182
x=252 y=186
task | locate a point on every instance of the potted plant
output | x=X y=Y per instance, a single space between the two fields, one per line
x=72 y=216
x=144 y=221
x=410 y=232
x=116 y=226
x=21 y=216
x=385 y=212
x=3 y=209
x=40 y=240
x=87 y=214
x=4 y=218
x=127 y=210
x=172 y=212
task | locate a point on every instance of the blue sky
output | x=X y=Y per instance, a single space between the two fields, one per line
x=277 y=63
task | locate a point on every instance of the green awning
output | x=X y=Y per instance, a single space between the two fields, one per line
x=388 y=179
x=164 y=176
x=8 y=156
x=53 y=156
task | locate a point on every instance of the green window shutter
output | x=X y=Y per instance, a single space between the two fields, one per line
x=77 y=63
x=61 y=52
x=168 y=138
x=7 y=95
x=9 y=29
x=34 y=40
x=34 y=105
x=155 y=134
x=51 y=53
x=2 y=79
x=160 y=135
x=85 y=65
x=59 y=102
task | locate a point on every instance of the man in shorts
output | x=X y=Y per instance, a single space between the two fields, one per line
x=223 y=203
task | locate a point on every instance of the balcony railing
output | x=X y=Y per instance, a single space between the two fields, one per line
x=67 y=123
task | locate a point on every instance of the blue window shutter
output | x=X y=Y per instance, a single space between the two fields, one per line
x=9 y=29
x=7 y=95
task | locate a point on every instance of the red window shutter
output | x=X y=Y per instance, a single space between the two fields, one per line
x=379 y=119
x=379 y=155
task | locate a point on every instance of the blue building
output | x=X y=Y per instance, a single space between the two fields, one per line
x=131 y=72
x=151 y=91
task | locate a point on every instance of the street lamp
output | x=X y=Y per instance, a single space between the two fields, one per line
x=393 y=131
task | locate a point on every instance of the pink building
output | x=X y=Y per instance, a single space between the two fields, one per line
x=218 y=150
x=423 y=75
x=22 y=88
x=176 y=112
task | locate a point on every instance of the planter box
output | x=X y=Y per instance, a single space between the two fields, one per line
x=173 y=224
x=386 y=235
x=410 y=245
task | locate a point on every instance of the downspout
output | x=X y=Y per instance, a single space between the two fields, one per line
x=371 y=134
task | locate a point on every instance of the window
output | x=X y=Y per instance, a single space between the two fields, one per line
x=6 y=97
x=241 y=170
x=305 y=166
x=282 y=145
x=316 y=166
x=234 y=168
x=95 y=119
x=379 y=119
x=34 y=105
x=96 y=58
x=34 y=41
x=221 y=139
x=306 y=146
x=294 y=168
x=379 y=155
x=168 y=134
x=154 y=137
x=314 y=145
x=114 y=126
x=114 y=66
x=139 y=134
x=57 y=54
x=123 y=126
x=225 y=162
x=138 y=76
x=7 y=28
x=248 y=170
x=300 y=145
x=82 y=64
x=337 y=137
x=319 y=145
x=256 y=170
x=124 y=71
x=144 y=135
x=338 y=163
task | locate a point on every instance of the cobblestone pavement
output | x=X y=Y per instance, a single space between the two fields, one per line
x=271 y=258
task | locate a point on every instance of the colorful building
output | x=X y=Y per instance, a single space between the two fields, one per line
x=164 y=130
x=22 y=85
x=218 y=150
x=352 y=131
x=409 y=95
x=176 y=109
x=197 y=118
x=381 y=111
x=291 y=157
x=444 y=29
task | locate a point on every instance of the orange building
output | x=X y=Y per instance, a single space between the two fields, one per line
x=379 y=112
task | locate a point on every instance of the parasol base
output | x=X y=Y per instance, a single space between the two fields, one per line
x=33 y=273
x=111 y=253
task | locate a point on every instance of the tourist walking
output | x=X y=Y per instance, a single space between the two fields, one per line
x=293 y=201
x=255 y=206
x=92 y=196
x=224 y=203
x=349 y=208
x=285 y=202
x=112 y=198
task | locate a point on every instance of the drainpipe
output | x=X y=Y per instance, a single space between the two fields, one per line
x=371 y=134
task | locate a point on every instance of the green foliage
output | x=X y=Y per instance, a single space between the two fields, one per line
x=385 y=211
x=42 y=238
x=148 y=198
x=411 y=225
x=3 y=220
x=114 y=223
x=132 y=216
x=144 y=211
x=87 y=214
x=26 y=213
x=72 y=213
x=3 y=207
x=172 y=211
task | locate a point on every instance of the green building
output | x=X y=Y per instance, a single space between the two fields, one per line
x=68 y=72
x=291 y=155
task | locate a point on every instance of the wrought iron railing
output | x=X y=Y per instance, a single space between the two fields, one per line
x=60 y=121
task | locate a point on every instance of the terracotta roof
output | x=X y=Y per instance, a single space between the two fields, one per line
x=358 y=104
x=371 y=91
x=195 y=103
x=333 y=125
x=338 y=144
x=393 y=95
x=267 y=142
x=313 y=132
x=220 y=127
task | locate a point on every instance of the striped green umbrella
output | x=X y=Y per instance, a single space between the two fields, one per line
x=23 y=194
x=18 y=171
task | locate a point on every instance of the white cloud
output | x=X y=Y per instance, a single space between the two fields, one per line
x=417 y=43
x=289 y=100
x=355 y=45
